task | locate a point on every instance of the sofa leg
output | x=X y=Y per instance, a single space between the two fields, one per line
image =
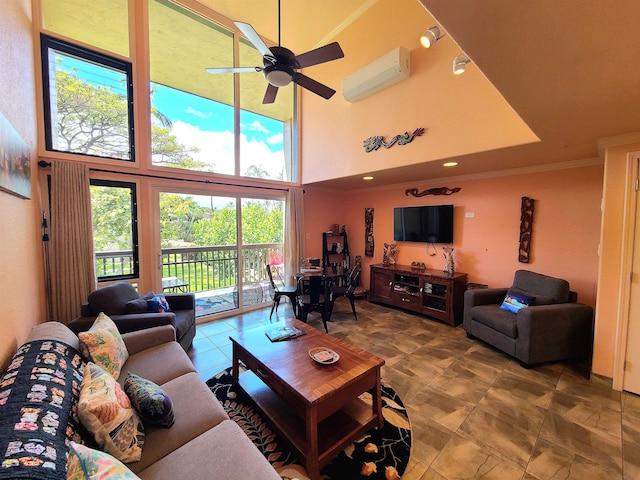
x=472 y=337
x=526 y=365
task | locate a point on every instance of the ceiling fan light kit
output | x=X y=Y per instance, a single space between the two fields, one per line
x=281 y=65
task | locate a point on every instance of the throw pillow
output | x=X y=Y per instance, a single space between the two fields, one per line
x=158 y=304
x=514 y=301
x=139 y=305
x=84 y=463
x=105 y=411
x=150 y=401
x=102 y=344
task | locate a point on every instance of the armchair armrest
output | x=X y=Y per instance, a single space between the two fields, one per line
x=127 y=323
x=181 y=301
x=143 y=339
x=548 y=332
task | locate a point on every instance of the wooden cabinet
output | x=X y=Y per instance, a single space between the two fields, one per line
x=335 y=253
x=429 y=292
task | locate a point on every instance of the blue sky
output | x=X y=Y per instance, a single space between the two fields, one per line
x=201 y=122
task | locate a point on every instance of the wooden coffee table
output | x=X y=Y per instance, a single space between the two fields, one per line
x=315 y=407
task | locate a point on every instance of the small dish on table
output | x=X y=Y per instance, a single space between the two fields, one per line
x=323 y=355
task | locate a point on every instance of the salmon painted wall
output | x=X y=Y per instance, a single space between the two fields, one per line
x=333 y=131
x=608 y=308
x=21 y=267
x=566 y=227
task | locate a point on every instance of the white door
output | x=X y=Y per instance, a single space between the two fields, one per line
x=631 y=382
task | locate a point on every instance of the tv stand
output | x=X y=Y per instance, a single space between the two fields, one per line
x=429 y=292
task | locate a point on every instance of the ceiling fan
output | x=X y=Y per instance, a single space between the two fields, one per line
x=280 y=65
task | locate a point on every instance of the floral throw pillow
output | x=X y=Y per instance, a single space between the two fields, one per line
x=102 y=344
x=84 y=463
x=150 y=401
x=105 y=411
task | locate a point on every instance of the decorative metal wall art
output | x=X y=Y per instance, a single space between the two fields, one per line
x=526 y=229
x=368 y=232
x=374 y=143
x=431 y=191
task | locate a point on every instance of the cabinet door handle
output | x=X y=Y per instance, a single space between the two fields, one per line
x=406 y=300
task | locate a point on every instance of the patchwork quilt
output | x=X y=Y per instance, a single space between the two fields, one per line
x=38 y=410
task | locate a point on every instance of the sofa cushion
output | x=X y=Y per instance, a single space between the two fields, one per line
x=234 y=452
x=159 y=364
x=196 y=411
x=102 y=344
x=541 y=286
x=105 y=411
x=514 y=301
x=496 y=318
x=112 y=299
x=137 y=305
x=151 y=402
x=85 y=463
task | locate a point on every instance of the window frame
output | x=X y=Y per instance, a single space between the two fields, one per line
x=96 y=182
x=51 y=43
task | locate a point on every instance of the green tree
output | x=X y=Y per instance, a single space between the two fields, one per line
x=178 y=216
x=262 y=221
x=111 y=213
x=93 y=120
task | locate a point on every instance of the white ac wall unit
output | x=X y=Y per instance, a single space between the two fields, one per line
x=389 y=69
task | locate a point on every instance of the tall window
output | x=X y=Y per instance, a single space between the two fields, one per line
x=87 y=101
x=115 y=232
x=193 y=113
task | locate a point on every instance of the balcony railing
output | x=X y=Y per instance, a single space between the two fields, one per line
x=201 y=268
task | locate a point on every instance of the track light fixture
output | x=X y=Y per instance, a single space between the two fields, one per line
x=431 y=35
x=460 y=64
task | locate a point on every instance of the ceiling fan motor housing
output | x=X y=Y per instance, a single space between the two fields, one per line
x=282 y=71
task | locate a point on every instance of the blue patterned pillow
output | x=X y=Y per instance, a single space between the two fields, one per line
x=158 y=304
x=514 y=301
x=152 y=403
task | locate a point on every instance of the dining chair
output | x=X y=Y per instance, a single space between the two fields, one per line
x=314 y=295
x=281 y=291
x=348 y=290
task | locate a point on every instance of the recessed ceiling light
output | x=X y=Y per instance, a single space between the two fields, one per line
x=368 y=177
x=450 y=164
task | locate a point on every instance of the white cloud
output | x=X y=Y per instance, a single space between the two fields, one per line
x=257 y=126
x=276 y=139
x=192 y=111
x=216 y=148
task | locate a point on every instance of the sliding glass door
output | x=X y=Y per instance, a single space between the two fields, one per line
x=218 y=246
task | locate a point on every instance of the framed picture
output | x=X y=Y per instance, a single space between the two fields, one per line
x=15 y=161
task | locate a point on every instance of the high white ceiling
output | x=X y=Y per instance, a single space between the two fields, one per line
x=569 y=68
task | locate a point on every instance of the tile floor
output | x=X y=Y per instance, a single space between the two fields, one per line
x=475 y=412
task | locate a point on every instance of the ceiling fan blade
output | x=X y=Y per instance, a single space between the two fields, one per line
x=270 y=94
x=327 y=53
x=314 y=86
x=234 y=70
x=254 y=38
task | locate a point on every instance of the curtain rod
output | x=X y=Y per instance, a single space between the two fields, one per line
x=44 y=164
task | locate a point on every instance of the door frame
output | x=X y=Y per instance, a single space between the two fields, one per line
x=626 y=268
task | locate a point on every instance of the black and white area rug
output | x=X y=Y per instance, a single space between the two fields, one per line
x=381 y=453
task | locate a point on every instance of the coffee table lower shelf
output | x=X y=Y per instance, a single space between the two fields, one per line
x=334 y=432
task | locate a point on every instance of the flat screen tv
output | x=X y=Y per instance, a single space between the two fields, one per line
x=428 y=223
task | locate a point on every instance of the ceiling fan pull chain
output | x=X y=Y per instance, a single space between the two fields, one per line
x=279 y=30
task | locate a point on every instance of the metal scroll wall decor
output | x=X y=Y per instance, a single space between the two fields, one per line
x=375 y=142
x=431 y=191
x=526 y=229
x=368 y=232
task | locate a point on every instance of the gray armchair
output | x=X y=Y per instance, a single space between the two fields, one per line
x=122 y=303
x=553 y=327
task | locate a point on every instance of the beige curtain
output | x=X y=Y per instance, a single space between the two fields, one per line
x=71 y=243
x=294 y=233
